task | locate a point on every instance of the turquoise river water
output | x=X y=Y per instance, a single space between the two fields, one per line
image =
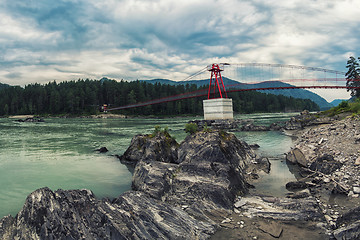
x=59 y=154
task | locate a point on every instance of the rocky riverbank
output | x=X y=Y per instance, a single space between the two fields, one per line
x=305 y=119
x=329 y=156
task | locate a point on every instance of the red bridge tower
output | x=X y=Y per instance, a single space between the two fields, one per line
x=217 y=106
x=216 y=81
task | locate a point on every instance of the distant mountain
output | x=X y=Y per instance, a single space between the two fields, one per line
x=198 y=83
x=338 y=101
x=163 y=81
x=295 y=93
x=3 y=85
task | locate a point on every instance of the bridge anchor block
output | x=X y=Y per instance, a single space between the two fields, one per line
x=218 y=108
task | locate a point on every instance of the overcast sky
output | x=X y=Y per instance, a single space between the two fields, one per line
x=44 y=40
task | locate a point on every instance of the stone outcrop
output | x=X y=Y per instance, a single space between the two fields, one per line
x=254 y=128
x=102 y=150
x=158 y=147
x=217 y=124
x=31 y=119
x=77 y=214
x=209 y=171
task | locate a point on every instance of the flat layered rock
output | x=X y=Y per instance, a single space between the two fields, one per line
x=76 y=214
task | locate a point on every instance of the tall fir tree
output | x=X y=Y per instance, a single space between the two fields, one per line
x=353 y=77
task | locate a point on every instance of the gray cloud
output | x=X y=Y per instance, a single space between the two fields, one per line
x=69 y=39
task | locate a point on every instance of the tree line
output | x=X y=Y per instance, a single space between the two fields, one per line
x=83 y=97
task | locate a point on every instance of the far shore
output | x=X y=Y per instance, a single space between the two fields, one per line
x=21 y=116
x=115 y=116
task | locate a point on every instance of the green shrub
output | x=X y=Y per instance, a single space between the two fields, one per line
x=166 y=130
x=206 y=128
x=224 y=135
x=345 y=107
x=191 y=128
x=344 y=104
x=158 y=130
x=355 y=107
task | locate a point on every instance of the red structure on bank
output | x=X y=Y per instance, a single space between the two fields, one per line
x=216 y=81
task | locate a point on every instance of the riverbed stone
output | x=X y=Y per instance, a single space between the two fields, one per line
x=296 y=185
x=325 y=164
x=282 y=209
x=356 y=190
x=253 y=128
x=102 y=150
x=240 y=203
x=351 y=231
x=300 y=194
x=272 y=228
x=357 y=161
x=296 y=156
x=263 y=163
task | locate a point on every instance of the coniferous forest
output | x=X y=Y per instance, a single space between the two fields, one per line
x=84 y=97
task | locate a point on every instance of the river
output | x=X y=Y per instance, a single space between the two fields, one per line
x=59 y=153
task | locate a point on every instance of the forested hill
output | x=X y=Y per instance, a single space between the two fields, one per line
x=86 y=97
x=296 y=93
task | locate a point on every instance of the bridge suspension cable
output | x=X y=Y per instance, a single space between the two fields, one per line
x=275 y=65
x=259 y=76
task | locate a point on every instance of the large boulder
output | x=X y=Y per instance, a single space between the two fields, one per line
x=296 y=156
x=293 y=124
x=158 y=147
x=76 y=214
x=210 y=171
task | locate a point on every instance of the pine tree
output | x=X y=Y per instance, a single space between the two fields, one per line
x=353 y=76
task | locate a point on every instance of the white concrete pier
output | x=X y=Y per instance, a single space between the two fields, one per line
x=218 y=108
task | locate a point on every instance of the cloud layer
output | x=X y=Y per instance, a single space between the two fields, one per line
x=41 y=40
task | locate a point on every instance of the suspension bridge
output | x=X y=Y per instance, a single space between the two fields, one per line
x=253 y=77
